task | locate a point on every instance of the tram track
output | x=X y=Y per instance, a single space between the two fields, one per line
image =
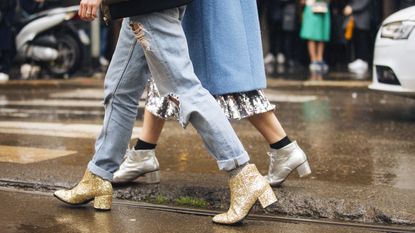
x=19 y=187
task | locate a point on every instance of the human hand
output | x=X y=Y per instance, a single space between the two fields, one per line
x=40 y=1
x=88 y=9
x=348 y=10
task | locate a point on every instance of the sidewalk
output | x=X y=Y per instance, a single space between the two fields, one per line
x=337 y=79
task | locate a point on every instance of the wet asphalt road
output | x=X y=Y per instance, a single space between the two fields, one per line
x=24 y=212
x=353 y=137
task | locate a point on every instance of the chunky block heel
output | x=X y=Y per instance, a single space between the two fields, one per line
x=103 y=202
x=267 y=197
x=152 y=177
x=149 y=178
x=304 y=169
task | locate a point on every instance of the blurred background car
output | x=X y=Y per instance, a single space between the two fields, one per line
x=394 y=55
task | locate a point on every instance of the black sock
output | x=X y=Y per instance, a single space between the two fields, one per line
x=142 y=145
x=281 y=143
x=236 y=171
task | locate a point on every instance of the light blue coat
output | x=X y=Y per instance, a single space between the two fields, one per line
x=225 y=45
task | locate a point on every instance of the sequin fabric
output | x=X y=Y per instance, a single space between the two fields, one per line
x=89 y=188
x=161 y=107
x=236 y=106
x=246 y=188
x=241 y=105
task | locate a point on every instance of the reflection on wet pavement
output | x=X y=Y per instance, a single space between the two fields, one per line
x=351 y=137
x=25 y=213
x=55 y=129
x=24 y=155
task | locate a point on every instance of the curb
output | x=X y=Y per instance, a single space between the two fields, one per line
x=318 y=84
x=272 y=83
x=290 y=203
x=54 y=83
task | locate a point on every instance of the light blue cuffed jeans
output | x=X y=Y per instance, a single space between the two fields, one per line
x=160 y=51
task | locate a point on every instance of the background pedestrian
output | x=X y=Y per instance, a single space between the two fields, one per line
x=359 y=12
x=281 y=24
x=7 y=12
x=315 y=29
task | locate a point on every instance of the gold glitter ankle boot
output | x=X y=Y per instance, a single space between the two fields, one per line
x=246 y=187
x=91 y=187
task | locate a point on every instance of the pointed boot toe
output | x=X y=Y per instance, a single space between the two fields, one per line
x=91 y=187
x=61 y=195
x=220 y=219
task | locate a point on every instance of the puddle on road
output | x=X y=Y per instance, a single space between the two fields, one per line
x=3 y=100
x=25 y=155
x=350 y=138
x=55 y=129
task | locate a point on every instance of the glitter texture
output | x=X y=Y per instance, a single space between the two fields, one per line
x=246 y=188
x=91 y=187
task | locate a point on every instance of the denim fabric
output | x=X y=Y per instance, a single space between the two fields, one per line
x=163 y=52
x=225 y=45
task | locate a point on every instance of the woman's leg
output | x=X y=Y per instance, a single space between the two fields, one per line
x=152 y=127
x=320 y=51
x=285 y=155
x=320 y=57
x=269 y=126
x=312 y=51
x=163 y=39
x=124 y=83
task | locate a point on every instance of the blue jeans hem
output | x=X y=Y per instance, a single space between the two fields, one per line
x=230 y=164
x=93 y=168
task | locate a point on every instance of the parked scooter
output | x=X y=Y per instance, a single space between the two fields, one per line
x=49 y=40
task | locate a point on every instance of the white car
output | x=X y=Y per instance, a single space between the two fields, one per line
x=394 y=58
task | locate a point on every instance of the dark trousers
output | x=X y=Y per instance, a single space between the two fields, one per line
x=281 y=41
x=6 y=57
x=361 y=43
x=276 y=36
x=261 y=6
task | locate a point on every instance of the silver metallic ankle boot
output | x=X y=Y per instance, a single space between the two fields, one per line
x=137 y=164
x=283 y=161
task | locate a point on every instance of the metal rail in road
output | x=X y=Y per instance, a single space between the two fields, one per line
x=203 y=212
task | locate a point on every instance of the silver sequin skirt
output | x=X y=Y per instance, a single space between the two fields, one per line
x=236 y=106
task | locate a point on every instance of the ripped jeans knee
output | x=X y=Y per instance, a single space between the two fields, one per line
x=140 y=34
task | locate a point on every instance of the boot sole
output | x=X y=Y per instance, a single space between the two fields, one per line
x=73 y=204
x=146 y=178
x=80 y=204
